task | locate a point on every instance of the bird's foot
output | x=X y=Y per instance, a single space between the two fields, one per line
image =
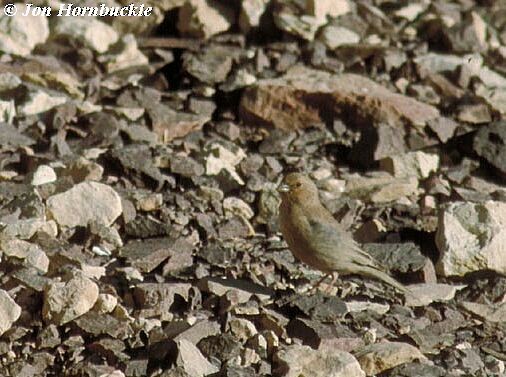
x=327 y=288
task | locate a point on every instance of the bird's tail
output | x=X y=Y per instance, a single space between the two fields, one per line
x=377 y=274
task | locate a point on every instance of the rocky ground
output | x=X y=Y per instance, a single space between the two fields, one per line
x=139 y=160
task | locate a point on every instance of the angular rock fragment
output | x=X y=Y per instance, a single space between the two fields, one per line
x=320 y=335
x=443 y=127
x=20 y=34
x=241 y=328
x=236 y=227
x=105 y=303
x=146 y=255
x=204 y=18
x=489 y=143
x=235 y=206
x=221 y=159
x=26 y=229
x=403 y=257
x=39 y=102
x=419 y=369
x=199 y=331
x=297 y=360
x=30 y=254
x=169 y=124
x=321 y=9
x=471 y=237
x=474 y=114
x=129 y=57
x=93 y=33
x=9 y=311
x=147 y=201
x=469 y=34
x=191 y=360
x=7 y=111
x=379 y=357
x=85 y=202
x=335 y=36
x=49 y=337
x=298 y=100
x=12 y=136
x=66 y=301
x=425 y=294
x=211 y=66
x=243 y=290
x=137 y=159
x=222 y=346
x=96 y=323
x=495 y=97
x=439 y=335
x=251 y=12
x=156 y=299
x=381 y=189
x=186 y=166
x=412 y=11
x=43 y=174
x=270 y=100
x=303 y=26
x=360 y=306
x=82 y=169
x=415 y=164
x=490 y=313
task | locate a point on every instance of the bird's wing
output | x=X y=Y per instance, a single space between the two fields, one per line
x=334 y=240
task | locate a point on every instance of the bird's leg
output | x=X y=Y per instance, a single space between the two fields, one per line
x=334 y=275
x=317 y=284
x=332 y=282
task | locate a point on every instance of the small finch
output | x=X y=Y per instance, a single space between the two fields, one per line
x=317 y=239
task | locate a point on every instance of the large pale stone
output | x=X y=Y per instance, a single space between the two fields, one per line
x=191 y=360
x=43 y=174
x=7 y=111
x=9 y=311
x=321 y=9
x=379 y=357
x=495 y=313
x=381 y=189
x=20 y=34
x=85 y=202
x=302 y=26
x=204 y=18
x=251 y=12
x=222 y=159
x=31 y=254
x=129 y=56
x=297 y=360
x=39 y=102
x=93 y=33
x=412 y=164
x=334 y=36
x=426 y=293
x=64 y=302
x=472 y=237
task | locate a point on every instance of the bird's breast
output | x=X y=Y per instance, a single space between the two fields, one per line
x=296 y=229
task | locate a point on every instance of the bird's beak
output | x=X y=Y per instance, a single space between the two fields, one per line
x=283 y=188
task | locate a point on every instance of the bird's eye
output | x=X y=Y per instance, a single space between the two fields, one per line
x=298 y=184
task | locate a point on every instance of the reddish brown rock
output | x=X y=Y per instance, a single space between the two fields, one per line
x=298 y=99
x=306 y=97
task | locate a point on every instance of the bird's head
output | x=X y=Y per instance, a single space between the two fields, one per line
x=298 y=188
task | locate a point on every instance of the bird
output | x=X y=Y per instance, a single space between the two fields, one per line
x=316 y=238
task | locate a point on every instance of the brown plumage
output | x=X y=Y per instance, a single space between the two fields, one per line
x=316 y=238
